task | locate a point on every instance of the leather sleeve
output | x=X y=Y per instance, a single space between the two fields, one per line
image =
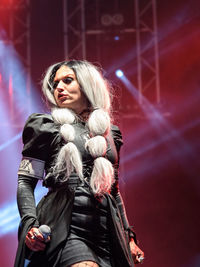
x=25 y=196
x=120 y=204
x=37 y=134
x=117 y=136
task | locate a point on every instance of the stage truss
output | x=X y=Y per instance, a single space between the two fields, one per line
x=76 y=35
x=77 y=31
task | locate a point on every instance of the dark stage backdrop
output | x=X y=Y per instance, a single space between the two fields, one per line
x=160 y=156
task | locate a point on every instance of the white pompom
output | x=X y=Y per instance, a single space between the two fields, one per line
x=67 y=132
x=63 y=115
x=96 y=146
x=99 y=122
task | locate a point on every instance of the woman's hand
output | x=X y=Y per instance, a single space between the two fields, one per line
x=35 y=240
x=137 y=253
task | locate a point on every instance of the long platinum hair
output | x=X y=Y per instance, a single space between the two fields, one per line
x=96 y=89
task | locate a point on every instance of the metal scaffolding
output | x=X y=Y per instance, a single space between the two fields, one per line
x=151 y=43
x=145 y=32
x=74 y=29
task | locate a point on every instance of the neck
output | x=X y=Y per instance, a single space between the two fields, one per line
x=84 y=114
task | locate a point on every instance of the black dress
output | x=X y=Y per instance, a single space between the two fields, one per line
x=83 y=227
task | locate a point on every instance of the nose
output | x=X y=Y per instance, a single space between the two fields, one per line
x=60 y=86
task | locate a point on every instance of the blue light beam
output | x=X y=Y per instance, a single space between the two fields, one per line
x=9 y=215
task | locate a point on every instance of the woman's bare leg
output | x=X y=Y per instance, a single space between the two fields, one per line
x=85 y=264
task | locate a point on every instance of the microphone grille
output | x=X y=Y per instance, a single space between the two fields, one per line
x=45 y=230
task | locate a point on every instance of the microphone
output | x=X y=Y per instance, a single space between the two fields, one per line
x=45 y=230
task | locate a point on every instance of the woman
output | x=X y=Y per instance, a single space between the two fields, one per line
x=78 y=149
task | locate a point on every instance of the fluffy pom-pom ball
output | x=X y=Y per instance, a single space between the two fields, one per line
x=96 y=146
x=67 y=132
x=63 y=115
x=99 y=122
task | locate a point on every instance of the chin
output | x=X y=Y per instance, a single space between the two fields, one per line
x=67 y=106
x=64 y=105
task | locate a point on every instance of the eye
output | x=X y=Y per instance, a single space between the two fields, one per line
x=68 y=80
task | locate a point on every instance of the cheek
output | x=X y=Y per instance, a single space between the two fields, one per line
x=78 y=94
x=84 y=100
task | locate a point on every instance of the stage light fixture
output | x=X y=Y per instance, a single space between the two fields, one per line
x=118 y=19
x=106 y=20
x=119 y=73
x=116 y=38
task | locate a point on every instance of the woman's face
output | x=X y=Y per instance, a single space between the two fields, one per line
x=67 y=91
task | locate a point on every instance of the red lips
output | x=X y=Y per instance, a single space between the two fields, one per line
x=61 y=95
